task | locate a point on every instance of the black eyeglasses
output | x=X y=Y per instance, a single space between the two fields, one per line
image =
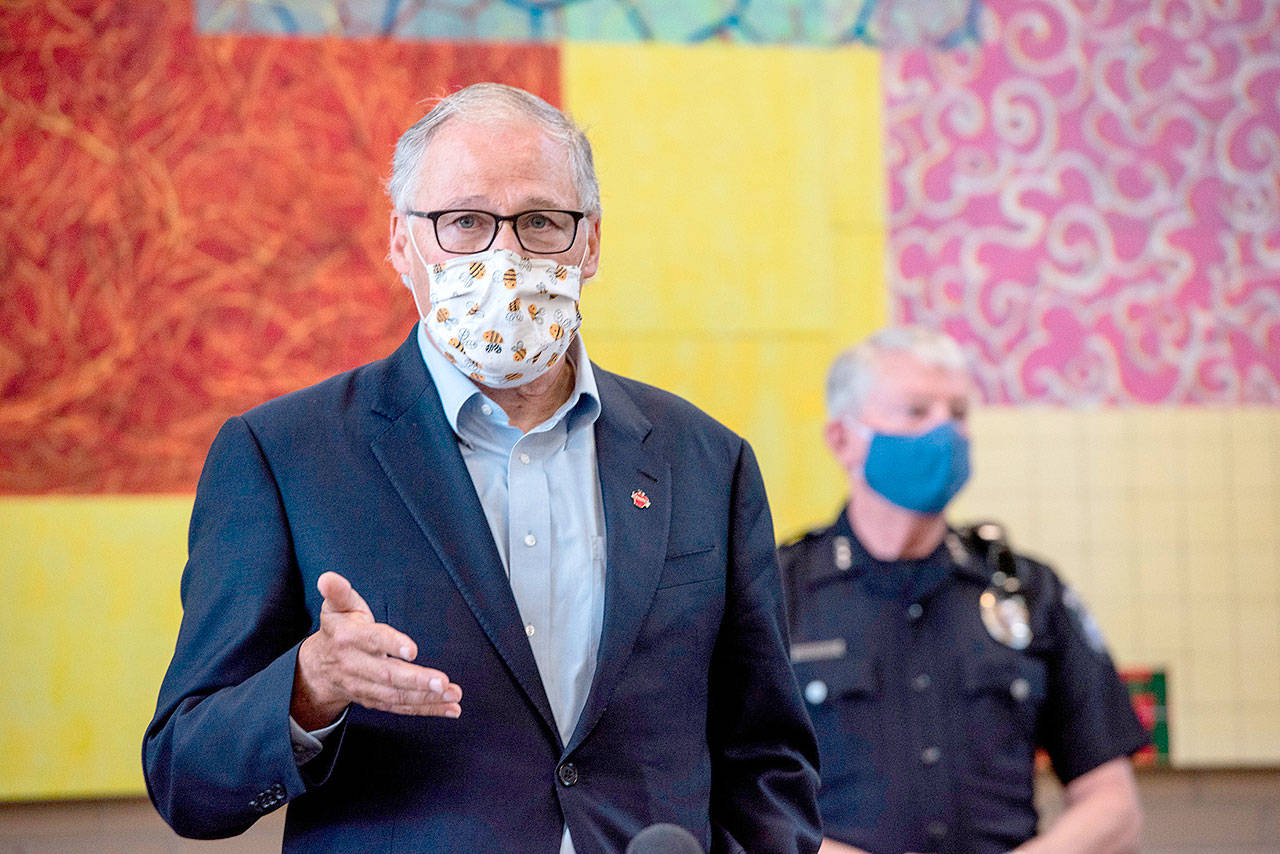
x=543 y=232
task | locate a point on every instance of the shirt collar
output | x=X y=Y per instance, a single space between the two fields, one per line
x=455 y=389
x=910 y=579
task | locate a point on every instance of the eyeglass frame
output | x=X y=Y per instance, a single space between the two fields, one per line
x=498 y=220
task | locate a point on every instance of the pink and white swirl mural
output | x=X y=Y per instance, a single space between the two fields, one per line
x=1090 y=200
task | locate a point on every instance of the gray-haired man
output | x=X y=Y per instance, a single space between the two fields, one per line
x=935 y=661
x=482 y=595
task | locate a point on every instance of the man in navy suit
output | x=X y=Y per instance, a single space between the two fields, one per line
x=482 y=595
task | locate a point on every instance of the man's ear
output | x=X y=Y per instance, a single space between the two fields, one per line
x=849 y=448
x=399 y=252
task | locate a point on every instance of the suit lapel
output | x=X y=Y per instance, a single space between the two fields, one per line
x=420 y=456
x=636 y=528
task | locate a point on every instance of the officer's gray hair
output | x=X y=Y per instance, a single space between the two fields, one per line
x=854 y=372
x=487 y=103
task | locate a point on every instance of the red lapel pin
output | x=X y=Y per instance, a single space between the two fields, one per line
x=640 y=499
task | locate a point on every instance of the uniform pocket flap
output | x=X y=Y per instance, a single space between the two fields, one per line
x=1019 y=677
x=821 y=681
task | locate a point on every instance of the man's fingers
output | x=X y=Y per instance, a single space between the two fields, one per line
x=373 y=639
x=439 y=710
x=340 y=596
x=385 y=674
x=407 y=689
x=377 y=696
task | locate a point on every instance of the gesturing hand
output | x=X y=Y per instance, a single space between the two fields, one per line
x=352 y=658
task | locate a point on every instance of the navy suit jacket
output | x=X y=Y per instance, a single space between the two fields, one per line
x=693 y=718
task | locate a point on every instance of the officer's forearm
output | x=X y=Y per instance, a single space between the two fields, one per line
x=1103 y=815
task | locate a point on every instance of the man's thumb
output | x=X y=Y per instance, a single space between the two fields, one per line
x=339 y=595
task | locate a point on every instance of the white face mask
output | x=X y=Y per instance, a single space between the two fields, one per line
x=500 y=318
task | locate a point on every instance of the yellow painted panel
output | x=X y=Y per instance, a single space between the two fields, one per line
x=87 y=625
x=737 y=183
x=743 y=235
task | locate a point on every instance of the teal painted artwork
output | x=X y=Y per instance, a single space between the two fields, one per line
x=880 y=23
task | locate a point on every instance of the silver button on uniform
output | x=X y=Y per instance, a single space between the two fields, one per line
x=816 y=691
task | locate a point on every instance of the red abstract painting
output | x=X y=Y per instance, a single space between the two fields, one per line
x=192 y=225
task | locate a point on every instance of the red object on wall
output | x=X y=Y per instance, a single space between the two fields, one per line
x=192 y=225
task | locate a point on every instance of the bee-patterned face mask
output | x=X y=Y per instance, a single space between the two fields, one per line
x=500 y=318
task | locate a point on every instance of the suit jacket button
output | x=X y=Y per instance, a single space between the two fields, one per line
x=269 y=798
x=568 y=774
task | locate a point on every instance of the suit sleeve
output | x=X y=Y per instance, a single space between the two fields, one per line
x=218 y=754
x=764 y=757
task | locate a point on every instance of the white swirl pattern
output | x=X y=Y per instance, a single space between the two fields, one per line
x=1090 y=201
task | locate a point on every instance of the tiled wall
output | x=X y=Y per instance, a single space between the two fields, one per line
x=1168 y=522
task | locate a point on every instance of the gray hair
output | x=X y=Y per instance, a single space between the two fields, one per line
x=854 y=372
x=487 y=102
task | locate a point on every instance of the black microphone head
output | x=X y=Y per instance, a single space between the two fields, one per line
x=664 y=839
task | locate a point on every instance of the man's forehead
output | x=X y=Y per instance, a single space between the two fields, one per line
x=480 y=200
x=488 y=137
x=902 y=374
x=470 y=161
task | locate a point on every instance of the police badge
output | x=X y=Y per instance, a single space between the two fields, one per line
x=1006 y=617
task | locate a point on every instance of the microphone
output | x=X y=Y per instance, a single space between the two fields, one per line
x=664 y=839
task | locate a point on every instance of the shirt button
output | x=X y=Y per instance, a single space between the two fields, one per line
x=486 y=409
x=568 y=774
x=936 y=829
x=921 y=682
x=530 y=540
x=930 y=755
x=524 y=458
x=528 y=630
x=1020 y=689
x=915 y=610
x=815 y=692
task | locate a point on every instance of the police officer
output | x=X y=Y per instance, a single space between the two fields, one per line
x=935 y=661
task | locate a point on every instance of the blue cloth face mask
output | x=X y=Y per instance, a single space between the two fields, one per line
x=920 y=472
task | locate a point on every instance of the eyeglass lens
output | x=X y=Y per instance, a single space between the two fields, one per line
x=537 y=231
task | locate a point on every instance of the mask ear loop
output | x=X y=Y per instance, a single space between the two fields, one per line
x=405 y=278
x=586 y=249
x=859 y=427
x=408 y=283
x=862 y=430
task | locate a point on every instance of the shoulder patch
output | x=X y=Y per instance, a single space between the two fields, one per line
x=1088 y=625
x=803 y=536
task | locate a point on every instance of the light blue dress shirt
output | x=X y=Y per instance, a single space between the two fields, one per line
x=541 y=495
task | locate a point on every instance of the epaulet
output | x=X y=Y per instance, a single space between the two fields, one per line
x=1014 y=573
x=803 y=537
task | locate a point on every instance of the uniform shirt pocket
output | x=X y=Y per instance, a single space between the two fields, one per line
x=1004 y=694
x=842 y=696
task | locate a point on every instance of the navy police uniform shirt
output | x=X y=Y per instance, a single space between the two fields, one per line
x=927 y=724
